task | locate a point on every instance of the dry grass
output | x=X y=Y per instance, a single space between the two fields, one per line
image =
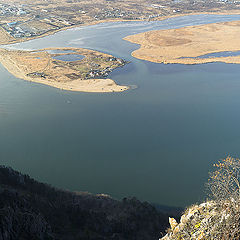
x=5 y=38
x=39 y=66
x=186 y=44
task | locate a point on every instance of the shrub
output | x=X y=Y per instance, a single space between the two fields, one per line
x=224 y=189
x=224 y=182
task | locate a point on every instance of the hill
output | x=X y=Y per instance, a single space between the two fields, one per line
x=33 y=210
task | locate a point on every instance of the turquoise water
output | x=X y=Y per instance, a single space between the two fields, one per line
x=156 y=142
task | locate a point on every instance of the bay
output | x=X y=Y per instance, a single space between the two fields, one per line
x=156 y=142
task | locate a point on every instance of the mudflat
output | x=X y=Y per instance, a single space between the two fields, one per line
x=186 y=45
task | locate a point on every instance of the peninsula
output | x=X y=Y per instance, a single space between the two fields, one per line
x=73 y=69
x=217 y=42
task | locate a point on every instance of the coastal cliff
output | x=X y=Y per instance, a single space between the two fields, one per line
x=33 y=210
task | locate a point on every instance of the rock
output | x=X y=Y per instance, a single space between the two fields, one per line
x=209 y=220
x=173 y=223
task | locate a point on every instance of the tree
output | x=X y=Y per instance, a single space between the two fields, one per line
x=224 y=181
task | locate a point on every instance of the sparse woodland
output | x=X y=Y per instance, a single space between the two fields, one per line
x=36 y=211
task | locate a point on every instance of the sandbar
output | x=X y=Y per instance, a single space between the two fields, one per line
x=186 y=45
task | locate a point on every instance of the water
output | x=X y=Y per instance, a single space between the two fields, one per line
x=69 y=57
x=156 y=142
x=218 y=54
x=58 y=51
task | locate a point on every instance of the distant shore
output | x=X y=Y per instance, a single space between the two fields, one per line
x=7 y=39
x=182 y=45
x=188 y=45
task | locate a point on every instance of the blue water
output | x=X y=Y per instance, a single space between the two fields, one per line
x=69 y=57
x=218 y=54
x=156 y=142
x=58 y=51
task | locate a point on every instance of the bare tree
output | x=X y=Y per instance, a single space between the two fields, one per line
x=224 y=182
x=224 y=188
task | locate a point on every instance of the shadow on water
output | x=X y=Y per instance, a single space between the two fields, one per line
x=156 y=142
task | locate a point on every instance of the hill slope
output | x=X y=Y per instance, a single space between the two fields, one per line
x=33 y=210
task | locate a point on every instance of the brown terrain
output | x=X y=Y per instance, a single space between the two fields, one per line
x=86 y=75
x=24 y=20
x=46 y=17
x=5 y=37
x=186 y=44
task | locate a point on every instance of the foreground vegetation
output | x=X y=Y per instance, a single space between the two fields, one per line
x=36 y=211
x=216 y=219
x=33 y=210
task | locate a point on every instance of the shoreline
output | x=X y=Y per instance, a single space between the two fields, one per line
x=225 y=12
x=57 y=73
x=104 y=85
x=187 y=45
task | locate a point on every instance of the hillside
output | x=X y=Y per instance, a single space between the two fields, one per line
x=33 y=210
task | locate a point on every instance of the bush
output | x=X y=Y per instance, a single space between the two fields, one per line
x=216 y=219
x=224 y=189
x=224 y=182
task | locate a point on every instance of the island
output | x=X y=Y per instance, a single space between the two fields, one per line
x=73 y=69
x=217 y=42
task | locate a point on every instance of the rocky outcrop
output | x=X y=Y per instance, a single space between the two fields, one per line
x=209 y=220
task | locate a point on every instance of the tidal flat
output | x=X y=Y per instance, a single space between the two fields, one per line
x=188 y=45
